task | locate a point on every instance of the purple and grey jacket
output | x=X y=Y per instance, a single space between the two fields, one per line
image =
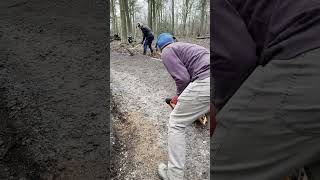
x=186 y=62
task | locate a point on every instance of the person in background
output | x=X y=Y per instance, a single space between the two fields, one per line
x=148 y=37
x=189 y=66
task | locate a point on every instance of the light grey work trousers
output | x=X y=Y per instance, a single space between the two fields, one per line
x=193 y=102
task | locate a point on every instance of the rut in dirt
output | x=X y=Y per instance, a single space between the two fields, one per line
x=135 y=152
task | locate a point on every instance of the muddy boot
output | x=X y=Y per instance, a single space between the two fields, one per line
x=162 y=171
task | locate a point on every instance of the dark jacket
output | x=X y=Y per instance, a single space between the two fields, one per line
x=147 y=32
x=248 y=33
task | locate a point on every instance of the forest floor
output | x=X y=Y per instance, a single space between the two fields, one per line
x=139 y=85
x=53 y=90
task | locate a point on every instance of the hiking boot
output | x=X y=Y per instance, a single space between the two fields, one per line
x=162 y=171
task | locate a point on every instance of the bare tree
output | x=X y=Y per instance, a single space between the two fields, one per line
x=128 y=19
x=124 y=35
x=187 y=8
x=132 y=10
x=114 y=17
x=172 y=16
x=153 y=15
x=150 y=13
x=192 y=27
x=203 y=14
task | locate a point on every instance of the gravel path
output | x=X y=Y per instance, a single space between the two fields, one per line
x=139 y=85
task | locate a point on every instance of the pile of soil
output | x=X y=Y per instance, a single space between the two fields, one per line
x=54 y=90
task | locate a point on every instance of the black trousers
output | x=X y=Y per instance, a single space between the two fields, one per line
x=271 y=126
x=148 y=43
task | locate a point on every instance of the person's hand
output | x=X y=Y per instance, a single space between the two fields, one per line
x=174 y=100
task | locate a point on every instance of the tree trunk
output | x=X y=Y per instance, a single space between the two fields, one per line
x=132 y=14
x=203 y=13
x=133 y=24
x=114 y=18
x=124 y=35
x=172 y=25
x=150 y=13
x=177 y=23
x=153 y=15
x=192 y=27
x=157 y=19
x=189 y=26
x=185 y=16
x=128 y=20
x=206 y=24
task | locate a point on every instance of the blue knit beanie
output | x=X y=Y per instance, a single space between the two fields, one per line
x=164 y=39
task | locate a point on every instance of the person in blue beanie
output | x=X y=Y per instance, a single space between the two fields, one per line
x=189 y=66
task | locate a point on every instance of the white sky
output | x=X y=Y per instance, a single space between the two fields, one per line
x=143 y=11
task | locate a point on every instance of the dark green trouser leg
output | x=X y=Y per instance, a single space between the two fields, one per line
x=271 y=126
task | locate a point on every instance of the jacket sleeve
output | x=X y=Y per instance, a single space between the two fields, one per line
x=176 y=69
x=143 y=33
x=234 y=53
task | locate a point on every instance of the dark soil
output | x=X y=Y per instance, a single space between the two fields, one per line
x=54 y=120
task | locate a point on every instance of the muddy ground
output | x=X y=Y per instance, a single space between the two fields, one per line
x=139 y=85
x=53 y=90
